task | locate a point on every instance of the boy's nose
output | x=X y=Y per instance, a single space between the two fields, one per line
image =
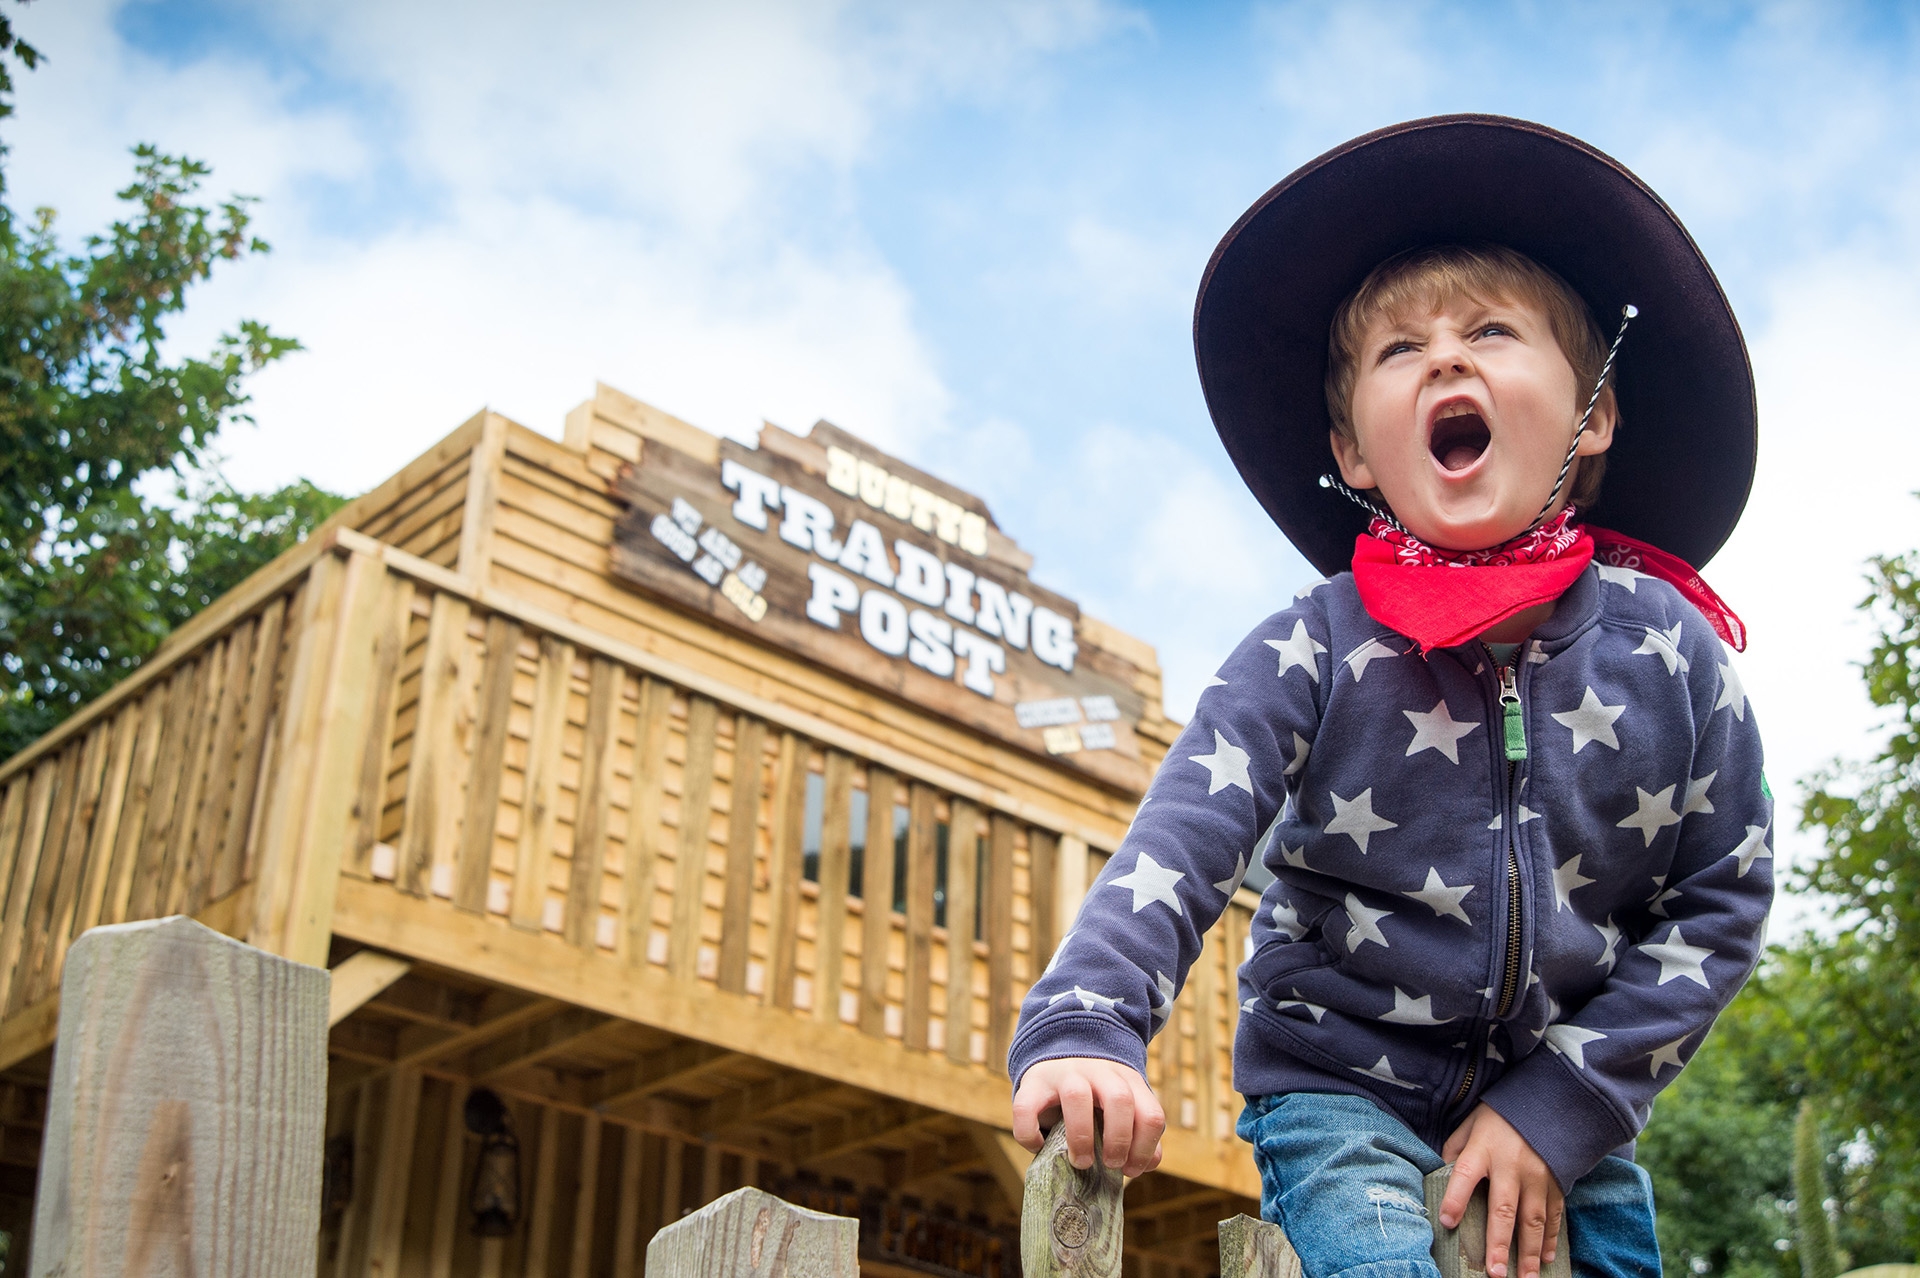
x=1445 y=356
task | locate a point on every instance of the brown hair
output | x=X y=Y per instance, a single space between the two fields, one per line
x=1430 y=277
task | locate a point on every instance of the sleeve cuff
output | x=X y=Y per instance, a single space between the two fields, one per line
x=1568 y=1123
x=1075 y=1034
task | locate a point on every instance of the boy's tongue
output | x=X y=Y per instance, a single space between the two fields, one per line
x=1459 y=440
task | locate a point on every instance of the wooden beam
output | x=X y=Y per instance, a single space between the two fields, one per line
x=760 y=1100
x=660 y=1071
x=357 y=978
x=533 y=1043
x=1006 y=1159
x=952 y=1154
x=850 y=1133
x=422 y=1044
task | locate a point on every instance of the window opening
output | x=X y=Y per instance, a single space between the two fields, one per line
x=810 y=827
x=940 y=874
x=857 y=843
x=902 y=818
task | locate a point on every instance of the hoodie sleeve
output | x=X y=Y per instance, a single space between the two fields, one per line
x=1592 y=1087
x=1115 y=975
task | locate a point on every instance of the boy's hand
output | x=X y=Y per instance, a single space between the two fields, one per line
x=1523 y=1198
x=1072 y=1087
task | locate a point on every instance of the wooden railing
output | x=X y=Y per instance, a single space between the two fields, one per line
x=374 y=745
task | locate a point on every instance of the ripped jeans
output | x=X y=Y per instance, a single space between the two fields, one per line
x=1344 y=1178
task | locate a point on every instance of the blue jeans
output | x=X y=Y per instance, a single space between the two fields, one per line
x=1343 y=1178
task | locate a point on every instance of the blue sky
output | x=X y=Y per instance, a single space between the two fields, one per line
x=972 y=233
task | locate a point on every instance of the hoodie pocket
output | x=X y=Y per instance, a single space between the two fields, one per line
x=1277 y=963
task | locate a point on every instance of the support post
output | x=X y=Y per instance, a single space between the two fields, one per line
x=751 y=1234
x=186 y=1110
x=1070 y=1220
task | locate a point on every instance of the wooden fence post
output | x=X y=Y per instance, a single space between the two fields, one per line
x=186 y=1108
x=751 y=1234
x=1070 y=1220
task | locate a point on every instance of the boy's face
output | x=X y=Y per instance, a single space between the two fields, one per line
x=1461 y=419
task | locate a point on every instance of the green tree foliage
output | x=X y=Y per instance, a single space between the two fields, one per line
x=1813 y=1232
x=95 y=415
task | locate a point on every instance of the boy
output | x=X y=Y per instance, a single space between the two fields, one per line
x=1519 y=833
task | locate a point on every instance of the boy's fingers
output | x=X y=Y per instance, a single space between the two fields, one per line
x=1468 y=1170
x=1533 y=1221
x=1149 y=1122
x=1116 y=1113
x=1550 y=1243
x=1026 y=1116
x=1503 y=1210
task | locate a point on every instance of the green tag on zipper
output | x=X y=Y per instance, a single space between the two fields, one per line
x=1516 y=727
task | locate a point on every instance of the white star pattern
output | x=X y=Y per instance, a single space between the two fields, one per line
x=1751 y=849
x=1231 y=884
x=1440 y=898
x=1536 y=655
x=1355 y=818
x=1655 y=814
x=1312 y=1009
x=1296 y=857
x=1167 y=992
x=1526 y=814
x=1058 y=950
x=1413 y=1011
x=1213 y=681
x=1665 y=1054
x=1226 y=766
x=1733 y=693
x=1382 y=1070
x=1571 y=1042
x=1286 y=920
x=1697 y=800
x=1664 y=644
x=1591 y=721
x=1621 y=577
x=1437 y=729
x=1088 y=999
x=1657 y=903
x=1609 y=941
x=1493 y=1053
x=1370 y=651
x=1150 y=882
x=1301 y=747
x=1567 y=880
x=1309 y=588
x=1299 y=649
x=1366 y=925
x=1679 y=960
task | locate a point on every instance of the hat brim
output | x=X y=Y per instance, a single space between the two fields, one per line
x=1682 y=460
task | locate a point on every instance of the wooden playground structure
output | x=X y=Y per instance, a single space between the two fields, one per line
x=548 y=751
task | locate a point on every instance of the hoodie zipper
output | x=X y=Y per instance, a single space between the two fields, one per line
x=1514 y=742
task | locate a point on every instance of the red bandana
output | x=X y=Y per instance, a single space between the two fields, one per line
x=1441 y=609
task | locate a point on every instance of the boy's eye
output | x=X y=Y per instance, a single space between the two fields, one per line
x=1395 y=348
x=1495 y=330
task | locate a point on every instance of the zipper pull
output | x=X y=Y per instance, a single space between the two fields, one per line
x=1515 y=724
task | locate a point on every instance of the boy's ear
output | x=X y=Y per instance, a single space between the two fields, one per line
x=1598 y=437
x=1354 y=468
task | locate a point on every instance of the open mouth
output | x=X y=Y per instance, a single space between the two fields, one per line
x=1459 y=438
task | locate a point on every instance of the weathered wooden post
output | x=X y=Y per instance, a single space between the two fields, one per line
x=751 y=1234
x=186 y=1108
x=1070 y=1220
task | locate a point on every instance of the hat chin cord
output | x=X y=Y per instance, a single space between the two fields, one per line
x=1627 y=314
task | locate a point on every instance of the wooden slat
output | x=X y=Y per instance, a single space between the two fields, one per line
x=626 y=1226
x=393 y=1172
x=581 y=1262
x=395 y=617
x=183 y=832
x=643 y=815
x=784 y=867
x=588 y=867
x=690 y=870
x=26 y=867
x=489 y=762
x=50 y=946
x=552 y=693
x=1042 y=909
x=876 y=896
x=133 y=816
x=47 y=882
x=13 y=814
x=483 y=491
x=920 y=875
x=997 y=916
x=743 y=842
x=217 y=794
x=671 y=1185
x=546 y=1170
x=430 y=824
x=230 y=865
x=829 y=946
x=149 y=883
x=963 y=868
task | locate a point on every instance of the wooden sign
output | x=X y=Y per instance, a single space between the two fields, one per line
x=830 y=548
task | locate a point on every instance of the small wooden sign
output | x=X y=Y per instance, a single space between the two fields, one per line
x=825 y=546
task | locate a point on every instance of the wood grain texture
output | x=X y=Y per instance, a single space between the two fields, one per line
x=1043 y=911
x=392 y=1173
x=186 y=1109
x=784 y=867
x=489 y=762
x=643 y=815
x=45 y=881
x=230 y=864
x=876 y=895
x=830 y=933
x=920 y=868
x=133 y=815
x=743 y=846
x=580 y=1261
x=357 y=978
x=588 y=864
x=393 y=615
x=963 y=869
x=533 y=855
x=1070 y=1220
x=437 y=762
x=997 y=918
x=696 y=816
x=1462 y=1252
x=626 y=1224
x=751 y=1234
x=1252 y=1248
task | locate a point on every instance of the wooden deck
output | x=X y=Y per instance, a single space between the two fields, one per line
x=664 y=888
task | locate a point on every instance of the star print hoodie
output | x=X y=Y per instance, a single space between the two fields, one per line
x=1541 y=904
